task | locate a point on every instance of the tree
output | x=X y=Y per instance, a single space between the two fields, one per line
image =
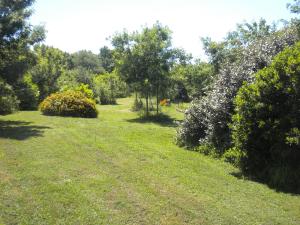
x=266 y=123
x=108 y=87
x=230 y=49
x=191 y=80
x=88 y=61
x=16 y=37
x=84 y=66
x=294 y=7
x=144 y=60
x=106 y=58
x=51 y=64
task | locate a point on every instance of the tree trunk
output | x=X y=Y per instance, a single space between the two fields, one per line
x=147 y=104
x=136 y=95
x=157 y=98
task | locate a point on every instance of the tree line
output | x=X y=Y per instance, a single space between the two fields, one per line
x=143 y=63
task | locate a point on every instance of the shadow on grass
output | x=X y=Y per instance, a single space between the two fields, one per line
x=160 y=119
x=20 y=130
x=285 y=189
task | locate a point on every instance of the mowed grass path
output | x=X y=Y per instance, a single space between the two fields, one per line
x=119 y=170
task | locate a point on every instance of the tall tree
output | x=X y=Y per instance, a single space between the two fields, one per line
x=144 y=59
x=16 y=37
x=106 y=58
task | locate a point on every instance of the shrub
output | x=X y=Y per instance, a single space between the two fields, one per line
x=267 y=121
x=85 y=89
x=207 y=120
x=8 y=101
x=69 y=103
x=28 y=93
x=233 y=156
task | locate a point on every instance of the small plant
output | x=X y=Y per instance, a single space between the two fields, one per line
x=137 y=105
x=233 y=156
x=69 y=103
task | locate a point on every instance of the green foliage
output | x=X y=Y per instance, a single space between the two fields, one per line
x=206 y=149
x=8 y=101
x=267 y=121
x=190 y=81
x=16 y=38
x=69 y=103
x=207 y=120
x=230 y=50
x=86 y=60
x=28 y=93
x=68 y=80
x=294 y=7
x=51 y=64
x=233 y=156
x=108 y=87
x=106 y=58
x=84 y=89
x=144 y=58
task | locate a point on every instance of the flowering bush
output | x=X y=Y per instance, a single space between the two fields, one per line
x=69 y=103
x=207 y=120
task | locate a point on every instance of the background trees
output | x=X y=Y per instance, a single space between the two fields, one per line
x=108 y=87
x=106 y=58
x=16 y=38
x=229 y=50
x=190 y=81
x=51 y=64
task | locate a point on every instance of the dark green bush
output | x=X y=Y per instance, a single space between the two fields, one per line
x=28 y=93
x=69 y=103
x=266 y=124
x=8 y=101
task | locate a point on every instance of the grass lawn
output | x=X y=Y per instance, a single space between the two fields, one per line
x=118 y=169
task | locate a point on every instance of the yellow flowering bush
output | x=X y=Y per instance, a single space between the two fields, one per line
x=69 y=103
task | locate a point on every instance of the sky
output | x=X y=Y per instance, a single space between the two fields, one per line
x=74 y=25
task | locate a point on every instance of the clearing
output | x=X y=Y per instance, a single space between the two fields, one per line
x=118 y=169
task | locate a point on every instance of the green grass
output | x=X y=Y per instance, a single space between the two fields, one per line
x=118 y=169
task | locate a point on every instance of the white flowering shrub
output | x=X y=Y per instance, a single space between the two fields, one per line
x=207 y=120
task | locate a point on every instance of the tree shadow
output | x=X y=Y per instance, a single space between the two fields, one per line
x=160 y=119
x=285 y=189
x=20 y=130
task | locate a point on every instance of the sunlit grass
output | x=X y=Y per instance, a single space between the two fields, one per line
x=119 y=169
